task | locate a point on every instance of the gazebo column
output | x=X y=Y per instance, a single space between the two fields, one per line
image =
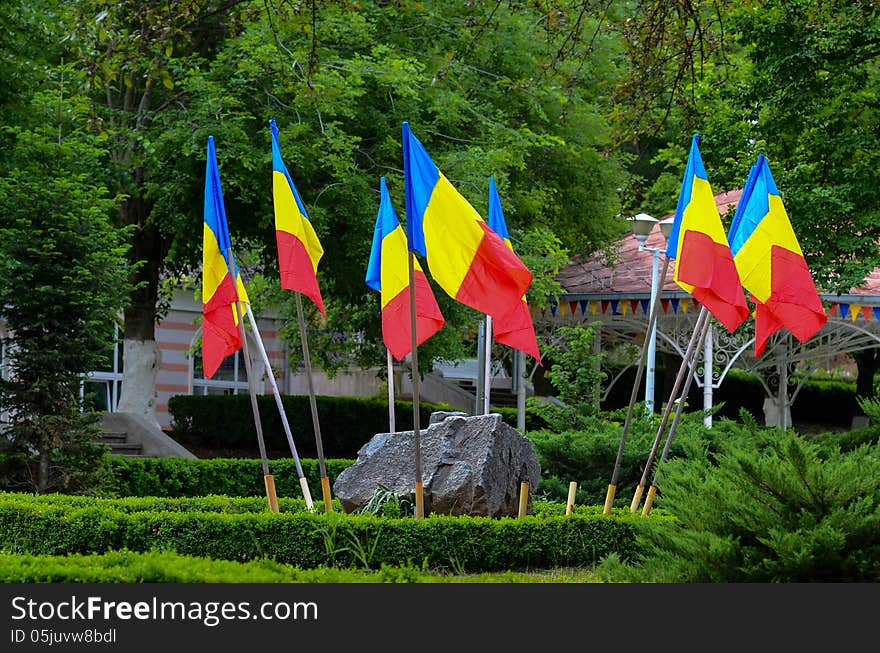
x=708 y=357
x=597 y=364
x=777 y=409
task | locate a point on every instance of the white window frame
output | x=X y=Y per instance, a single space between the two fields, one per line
x=111 y=379
x=239 y=382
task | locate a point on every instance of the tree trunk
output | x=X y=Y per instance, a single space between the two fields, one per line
x=140 y=352
x=43 y=470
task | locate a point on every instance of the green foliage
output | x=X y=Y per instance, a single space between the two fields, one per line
x=309 y=540
x=165 y=567
x=234 y=477
x=347 y=423
x=225 y=422
x=62 y=282
x=587 y=455
x=767 y=507
x=575 y=372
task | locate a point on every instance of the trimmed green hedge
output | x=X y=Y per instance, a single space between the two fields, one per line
x=347 y=423
x=820 y=401
x=234 y=477
x=33 y=525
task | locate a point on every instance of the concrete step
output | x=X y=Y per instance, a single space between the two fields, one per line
x=110 y=437
x=125 y=448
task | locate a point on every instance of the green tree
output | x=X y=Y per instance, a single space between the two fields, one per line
x=483 y=94
x=796 y=81
x=62 y=282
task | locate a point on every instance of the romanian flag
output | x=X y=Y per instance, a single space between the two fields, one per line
x=704 y=265
x=299 y=249
x=466 y=258
x=520 y=333
x=388 y=272
x=220 y=332
x=771 y=263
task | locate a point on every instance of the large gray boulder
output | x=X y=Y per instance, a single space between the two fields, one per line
x=470 y=466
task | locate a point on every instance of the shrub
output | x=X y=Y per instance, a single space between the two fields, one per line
x=771 y=507
x=234 y=477
x=588 y=455
x=308 y=540
x=347 y=423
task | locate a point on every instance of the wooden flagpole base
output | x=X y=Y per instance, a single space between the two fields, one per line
x=420 y=500
x=572 y=491
x=649 y=500
x=325 y=492
x=523 y=498
x=637 y=499
x=269 y=480
x=307 y=495
x=609 y=499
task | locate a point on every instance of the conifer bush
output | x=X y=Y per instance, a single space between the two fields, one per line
x=764 y=506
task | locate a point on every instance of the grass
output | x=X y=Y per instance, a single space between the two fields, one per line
x=168 y=567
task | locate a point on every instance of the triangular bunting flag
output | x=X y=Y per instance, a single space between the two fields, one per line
x=685 y=303
x=572 y=307
x=646 y=307
x=831 y=309
x=664 y=304
x=877 y=313
x=605 y=303
x=844 y=310
x=674 y=305
x=594 y=306
x=634 y=306
x=866 y=313
x=614 y=307
x=854 y=311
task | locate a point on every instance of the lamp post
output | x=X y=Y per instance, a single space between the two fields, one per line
x=642 y=225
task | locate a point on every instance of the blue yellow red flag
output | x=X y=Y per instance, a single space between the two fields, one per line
x=704 y=264
x=220 y=332
x=465 y=257
x=299 y=249
x=388 y=272
x=771 y=263
x=519 y=331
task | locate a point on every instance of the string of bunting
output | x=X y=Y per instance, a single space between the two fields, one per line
x=845 y=311
x=613 y=307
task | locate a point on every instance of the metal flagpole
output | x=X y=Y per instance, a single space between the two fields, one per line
x=268 y=479
x=520 y=377
x=420 y=499
x=307 y=495
x=487 y=360
x=391 y=428
x=685 y=363
x=325 y=482
x=652 y=490
x=640 y=367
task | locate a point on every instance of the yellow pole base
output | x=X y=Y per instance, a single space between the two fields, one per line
x=325 y=490
x=269 y=480
x=523 y=498
x=609 y=499
x=420 y=501
x=649 y=500
x=307 y=495
x=572 y=491
x=637 y=499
